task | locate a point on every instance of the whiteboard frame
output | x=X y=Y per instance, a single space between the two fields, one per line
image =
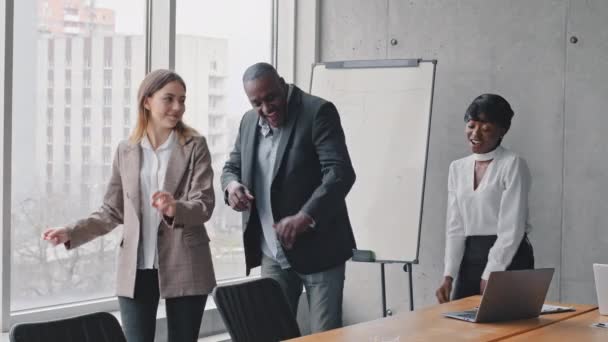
x=392 y=63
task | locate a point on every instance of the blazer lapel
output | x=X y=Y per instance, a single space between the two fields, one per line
x=132 y=160
x=248 y=152
x=178 y=163
x=292 y=114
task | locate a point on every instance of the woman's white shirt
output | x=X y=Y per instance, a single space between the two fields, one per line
x=499 y=206
x=151 y=179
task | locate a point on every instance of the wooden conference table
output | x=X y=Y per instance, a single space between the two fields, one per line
x=576 y=329
x=428 y=324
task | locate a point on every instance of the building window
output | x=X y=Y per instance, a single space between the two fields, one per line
x=107 y=52
x=49 y=170
x=66 y=133
x=85 y=195
x=66 y=153
x=86 y=78
x=70 y=11
x=107 y=97
x=49 y=152
x=49 y=134
x=86 y=135
x=84 y=190
x=107 y=116
x=127 y=95
x=51 y=52
x=127 y=78
x=127 y=117
x=106 y=172
x=107 y=135
x=68 y=52
x=67 y=172
x=67 y=116
x=49 y=116
x=68 y=78
x=86 y=97
x=49 y=95
x=50 y=76
x=128 y=54
x=87 y=53
x=107 y=78
x=86 y=116
x=107 y=155
x=86 y=171
x=68 y=96
x=86 y=155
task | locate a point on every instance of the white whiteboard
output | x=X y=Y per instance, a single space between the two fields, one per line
x=385 y=108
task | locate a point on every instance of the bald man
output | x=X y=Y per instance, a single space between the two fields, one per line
x=289 y=174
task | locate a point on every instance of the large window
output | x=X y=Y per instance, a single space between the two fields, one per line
x=76 y=68
x=65 y=54
x=212 y=49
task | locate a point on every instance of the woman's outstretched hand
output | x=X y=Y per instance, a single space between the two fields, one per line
x=56 y=236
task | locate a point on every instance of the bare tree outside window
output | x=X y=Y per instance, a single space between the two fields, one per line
x=66 y=63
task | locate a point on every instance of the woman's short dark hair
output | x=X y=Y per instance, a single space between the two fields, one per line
x=490 y=108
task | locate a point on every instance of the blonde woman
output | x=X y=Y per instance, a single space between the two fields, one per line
x=161 y=190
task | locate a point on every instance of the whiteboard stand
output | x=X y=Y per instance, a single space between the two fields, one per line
x=407 y=267
x=368 y=256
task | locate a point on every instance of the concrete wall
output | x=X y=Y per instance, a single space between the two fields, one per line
x=521 y=50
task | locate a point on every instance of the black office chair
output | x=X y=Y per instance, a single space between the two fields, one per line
x=255 y=311
x=95 y=327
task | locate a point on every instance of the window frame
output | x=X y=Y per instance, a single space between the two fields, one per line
x=159 y=37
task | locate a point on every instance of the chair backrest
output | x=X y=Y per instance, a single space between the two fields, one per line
x=95 y=327
x=256 y=310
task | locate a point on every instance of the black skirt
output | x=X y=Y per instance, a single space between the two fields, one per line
x=476 y=257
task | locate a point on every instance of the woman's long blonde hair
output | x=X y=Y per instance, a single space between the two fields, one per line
x=152 y=83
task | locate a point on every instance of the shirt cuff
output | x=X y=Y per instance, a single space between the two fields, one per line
x=226 y=191
x=311 y=225
x=490 y=267
x=451 y=271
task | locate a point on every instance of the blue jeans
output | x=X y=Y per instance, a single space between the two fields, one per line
x=323 y=292
x=184 y=314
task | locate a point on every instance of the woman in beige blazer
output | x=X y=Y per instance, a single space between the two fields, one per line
x=161 y=190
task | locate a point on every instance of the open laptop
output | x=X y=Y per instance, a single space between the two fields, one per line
x=510 y=295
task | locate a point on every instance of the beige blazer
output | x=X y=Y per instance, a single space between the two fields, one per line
x=184 y=258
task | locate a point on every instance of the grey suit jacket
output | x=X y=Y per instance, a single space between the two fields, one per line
x=312 y=173
x=184 y=258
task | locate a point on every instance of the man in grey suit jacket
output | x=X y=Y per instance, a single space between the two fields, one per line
x=289 y=173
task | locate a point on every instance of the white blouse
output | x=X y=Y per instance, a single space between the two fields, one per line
x=499 y=206
x=151 y=179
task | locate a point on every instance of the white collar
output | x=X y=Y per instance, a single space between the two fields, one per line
x=487 y=156
x=145 y=142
